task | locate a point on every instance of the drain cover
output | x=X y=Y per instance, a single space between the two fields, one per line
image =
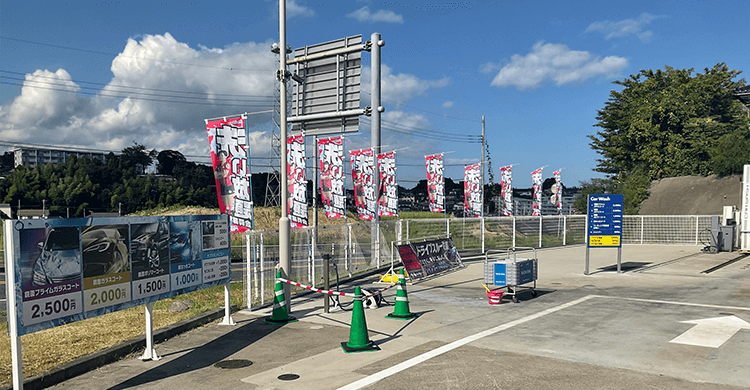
x=233 y=363
x=288 y=377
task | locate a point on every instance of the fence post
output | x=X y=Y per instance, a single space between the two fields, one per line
x=540 y=231
x=262 y=274
x=248 y=272
x=481 y=228
x=400 y=227
x=696 y=230
x=565 y=230
x=641 y=230
x=255 y=266
x=514 y=231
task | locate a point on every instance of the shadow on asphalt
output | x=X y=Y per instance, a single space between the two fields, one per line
x=205 y=355
x=627 y=266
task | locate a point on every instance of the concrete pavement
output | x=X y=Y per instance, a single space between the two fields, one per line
x=604 y=330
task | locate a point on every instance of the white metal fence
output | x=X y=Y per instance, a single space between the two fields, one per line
x=353 y=252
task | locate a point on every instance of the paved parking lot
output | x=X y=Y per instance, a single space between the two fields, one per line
x=664 y=323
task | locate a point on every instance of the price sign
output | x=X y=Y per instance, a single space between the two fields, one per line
x=605 y=220
x=50 y=308
x=106 y=290
x=149 y=287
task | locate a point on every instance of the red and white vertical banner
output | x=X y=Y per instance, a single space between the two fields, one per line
x=558 y=190
x=506 y=190
x=364 y=182
x=331 y=154
x=388 y=196
x=228 y=143
x=472 y=191
x=296 y=180
x=435 y=183
x=536 y=183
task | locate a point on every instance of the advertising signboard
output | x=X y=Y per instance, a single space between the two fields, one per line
x=605 y=220
x=67 y=270
x=422 y=259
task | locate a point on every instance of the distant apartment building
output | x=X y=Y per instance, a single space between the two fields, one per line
x=32 y=157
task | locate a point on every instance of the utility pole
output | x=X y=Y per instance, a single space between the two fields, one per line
x=284 y=228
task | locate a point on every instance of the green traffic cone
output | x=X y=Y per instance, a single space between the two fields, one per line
x=358 y=339
x=279 y=315
x=401 y=309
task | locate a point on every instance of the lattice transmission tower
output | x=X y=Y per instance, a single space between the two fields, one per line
x=273 y=184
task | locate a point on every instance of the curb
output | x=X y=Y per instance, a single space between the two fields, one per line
x=97 y=359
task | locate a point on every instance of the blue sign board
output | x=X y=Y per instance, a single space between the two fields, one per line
x=605 y=220
x=500 y=276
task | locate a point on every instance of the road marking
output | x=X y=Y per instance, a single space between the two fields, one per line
x=678 y=303
x=711 y=332
x=366 y=381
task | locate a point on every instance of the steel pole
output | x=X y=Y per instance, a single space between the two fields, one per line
x=284 y=229
x=481 y=166
x=377 y=43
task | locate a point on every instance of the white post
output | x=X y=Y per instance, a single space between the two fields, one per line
x=696 y=230
x=315 y=244
x=481 y=228
x=514 y=231
x=255 y=269
x=565 y=230
x=248 y=271
x=447 y=227
x=12 y=313
x=400 y=230
x=540 y=231
x=407 y=229
x=262 y=274
x=227 y=307
x=641 y=230
x=150 y=352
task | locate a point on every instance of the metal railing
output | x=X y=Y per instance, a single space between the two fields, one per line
x=353 y=252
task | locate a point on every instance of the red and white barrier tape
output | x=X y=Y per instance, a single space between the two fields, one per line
x=329 y=292
x=317 y=289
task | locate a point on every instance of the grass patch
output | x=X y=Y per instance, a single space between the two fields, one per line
x=43 y=351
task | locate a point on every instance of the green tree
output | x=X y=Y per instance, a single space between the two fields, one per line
x=668 y=123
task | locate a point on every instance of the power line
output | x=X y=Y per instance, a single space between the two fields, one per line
x=268 y=104
x=131 y=87
x=429 y=112
x=99 y=91
x=134 y=57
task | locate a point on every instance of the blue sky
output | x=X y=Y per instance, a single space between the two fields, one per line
x=537 y=70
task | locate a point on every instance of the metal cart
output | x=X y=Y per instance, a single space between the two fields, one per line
x=505 y=269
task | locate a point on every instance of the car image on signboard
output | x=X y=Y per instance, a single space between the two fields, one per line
x=60 y=257
x=104 y=250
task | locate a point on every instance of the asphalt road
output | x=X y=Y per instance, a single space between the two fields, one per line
x=664 y=324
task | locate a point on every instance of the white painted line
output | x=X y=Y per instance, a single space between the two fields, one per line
x=711 y=332
x=366 y=381
x=677 y=303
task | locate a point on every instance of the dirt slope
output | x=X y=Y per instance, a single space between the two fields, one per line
x=692 y=195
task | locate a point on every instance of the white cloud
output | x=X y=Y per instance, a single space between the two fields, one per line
x=401 y=87
x=364 y=15
x=556 y=63
x=295 y=9
x=146 y=101
x=625 y=27
x=448 y=104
